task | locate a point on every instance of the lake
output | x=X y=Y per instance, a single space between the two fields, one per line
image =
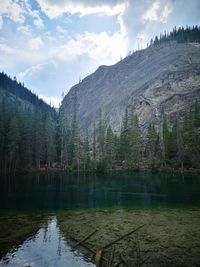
x=58 y=191
x=54 y=192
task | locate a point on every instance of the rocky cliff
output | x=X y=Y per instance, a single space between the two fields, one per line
x=151 y=81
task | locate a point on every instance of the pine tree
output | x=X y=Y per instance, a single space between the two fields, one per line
x=172 y=145
x=37 y=138
x=136 y=143
x=110 y=148
x=166 y=140
x=152 y=146
x=191 y=147
x=125 y=148
x=86 y=155
x=75 y=141
x=64 y=137
x=13 y=144
x=50 y=148
x=101 y=137
x=2 y=135
x=94 y=143
x=180 y=145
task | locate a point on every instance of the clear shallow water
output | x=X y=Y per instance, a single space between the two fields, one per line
x=58 y=191
x=47 y=248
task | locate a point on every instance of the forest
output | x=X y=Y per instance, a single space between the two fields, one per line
x=35 y=136
x=180 y=35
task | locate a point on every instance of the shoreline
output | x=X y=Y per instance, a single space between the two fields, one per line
x=167 y=237
x=150 y=171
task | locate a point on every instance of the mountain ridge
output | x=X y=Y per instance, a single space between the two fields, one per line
x=146 y=81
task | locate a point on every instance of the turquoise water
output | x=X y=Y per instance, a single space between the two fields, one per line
x=58 y=191
x=53 y=192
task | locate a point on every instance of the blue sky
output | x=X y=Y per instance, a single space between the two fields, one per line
x=50 y=44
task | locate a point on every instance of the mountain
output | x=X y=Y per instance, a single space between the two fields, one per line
x=162 y=78
x=17 y=92
x=27 y=129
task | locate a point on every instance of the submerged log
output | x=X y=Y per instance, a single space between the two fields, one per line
x=83 y=245
x=85 y=239
x=98 y=256
x=111 y=258
x=122 y=237
x=93 y=252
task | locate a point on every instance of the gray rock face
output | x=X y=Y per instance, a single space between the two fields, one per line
x=151 y=81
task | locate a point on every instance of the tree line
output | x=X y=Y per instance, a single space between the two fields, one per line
x=18 y=89
x=27 y=137
x=31 y=138
x=180 y=35
x=175 y=145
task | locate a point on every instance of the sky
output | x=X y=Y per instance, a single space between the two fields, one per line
x=50 y=45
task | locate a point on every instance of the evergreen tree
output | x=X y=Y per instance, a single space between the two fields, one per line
x=37 y=138
x=50 y=149
x=101 y=137
x=94 y=144
x=2 y=135
x=64 y=137
x=136 y=143
x=191 y=152
x=75 y=141
x=13 y=144
x=166 y=140
x=172 y=145
x=152 y=146
x=125 y=138
x=110 y=148
x=180 y=145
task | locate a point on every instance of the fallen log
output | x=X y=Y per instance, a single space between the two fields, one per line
x=83 y=240
x=88 y=248
x=111 y=258
x=98 y=256
x=122 y=237
x=83 y=245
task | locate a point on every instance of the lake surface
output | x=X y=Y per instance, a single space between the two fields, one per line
x=58 y=191
x=54 y=192
x=47 y=248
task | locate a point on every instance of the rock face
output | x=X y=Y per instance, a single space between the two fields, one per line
x=151 y=81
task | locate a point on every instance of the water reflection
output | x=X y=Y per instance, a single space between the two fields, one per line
x=54 y=191
x=46 y=248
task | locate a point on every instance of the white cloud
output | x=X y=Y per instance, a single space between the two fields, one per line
x=36 y=69
x=13 y=10
x=157 y=12
x=56 y=9
x=166 y=12
x=51 y=100
x=148 y=18
x=152 y=13
x=30 y=71
x=39 y=23
x=61 y=30
x=1 y=22
x=102 y=47
x=6 y=49
x=49 y=36
x=26 y=30
x=35 y=43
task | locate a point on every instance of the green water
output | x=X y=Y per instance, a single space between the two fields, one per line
x=58 y=191
x=45 y=244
